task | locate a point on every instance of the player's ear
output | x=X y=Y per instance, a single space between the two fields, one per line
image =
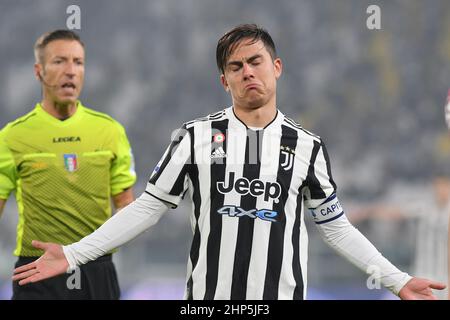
x=224 y=82
x=38 y=71
x=278 y=67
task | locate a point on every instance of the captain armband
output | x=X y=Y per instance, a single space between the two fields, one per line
x=330 y=210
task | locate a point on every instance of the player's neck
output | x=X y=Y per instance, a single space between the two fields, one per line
x=258 y=117
x=59 y=111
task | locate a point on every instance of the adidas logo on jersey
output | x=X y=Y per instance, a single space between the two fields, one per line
x=218 y=153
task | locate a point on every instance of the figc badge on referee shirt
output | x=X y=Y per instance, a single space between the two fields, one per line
x=70 y=162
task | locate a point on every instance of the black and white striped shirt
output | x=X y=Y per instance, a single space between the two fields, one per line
x=249 y=190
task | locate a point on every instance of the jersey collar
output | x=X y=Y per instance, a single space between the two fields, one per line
x=48 y=117
x=235 y=120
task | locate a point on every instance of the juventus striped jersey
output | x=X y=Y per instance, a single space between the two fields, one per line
x=249 y=191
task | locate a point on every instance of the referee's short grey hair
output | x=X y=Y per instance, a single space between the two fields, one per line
x=48 y=37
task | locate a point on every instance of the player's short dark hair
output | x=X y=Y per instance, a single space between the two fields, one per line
x=232 y=38
x=48 y=37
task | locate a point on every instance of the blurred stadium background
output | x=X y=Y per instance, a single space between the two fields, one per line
x=375 y=96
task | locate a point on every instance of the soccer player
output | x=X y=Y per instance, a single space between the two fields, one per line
x=251 y=174
x=65 y=162
x=429 y=213
x=431 y=258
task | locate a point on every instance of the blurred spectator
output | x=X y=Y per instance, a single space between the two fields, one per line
x=430 y=213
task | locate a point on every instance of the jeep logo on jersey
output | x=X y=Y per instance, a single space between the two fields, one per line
x=70 y=162
x=255 y=187
x=66 y=139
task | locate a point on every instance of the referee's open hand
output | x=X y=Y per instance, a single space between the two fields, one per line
x=52 y=263
x=420 y=289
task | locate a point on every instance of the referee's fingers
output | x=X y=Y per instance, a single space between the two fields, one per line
x=437 y=285
x=34 y=278
x=39 y=245
x=24 y=275
x=24 y=268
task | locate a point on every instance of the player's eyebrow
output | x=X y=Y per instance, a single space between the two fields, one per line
x=248 y=60
x=253 y=58
x=65 y=58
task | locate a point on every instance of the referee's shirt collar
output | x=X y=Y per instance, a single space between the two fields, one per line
x=238 y=122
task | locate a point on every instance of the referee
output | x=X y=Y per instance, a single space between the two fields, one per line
x=64 y=162
x=252 y=174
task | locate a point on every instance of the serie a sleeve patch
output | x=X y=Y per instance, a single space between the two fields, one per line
x=330 y=210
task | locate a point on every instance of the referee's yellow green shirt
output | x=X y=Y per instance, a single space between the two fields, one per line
x=63 y=173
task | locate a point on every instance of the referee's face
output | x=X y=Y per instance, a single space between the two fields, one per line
x=250 y=75
x=62 y=71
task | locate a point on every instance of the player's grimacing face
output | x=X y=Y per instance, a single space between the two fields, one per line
x=62 y=71
x=251 y=74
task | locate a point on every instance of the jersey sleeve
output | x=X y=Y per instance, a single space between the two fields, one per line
x=320 y=192
x=8 y=174
x=169 y=180
x=123 y=175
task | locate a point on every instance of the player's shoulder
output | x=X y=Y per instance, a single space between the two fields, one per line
x=19 y=122
x=216 y=116
x=301 y=132
x=101 y=118
x=98 y=115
